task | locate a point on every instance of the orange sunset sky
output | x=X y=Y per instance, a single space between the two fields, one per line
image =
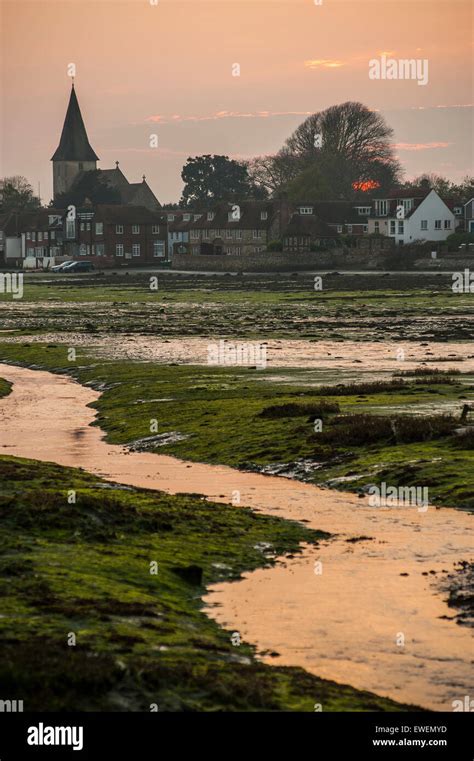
x=167 y=69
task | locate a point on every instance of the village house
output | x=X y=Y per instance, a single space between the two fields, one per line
x=34 y=237
x=411 y=215
x=178 y=230
x=114 y=235
x=468 y=216
x=235 y=229
x=322 y=223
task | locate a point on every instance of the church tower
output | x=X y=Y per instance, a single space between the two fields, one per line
x=74 y=153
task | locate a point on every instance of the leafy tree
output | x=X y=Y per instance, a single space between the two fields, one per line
x=208 y=179
x=16 y=194
x=90 y=185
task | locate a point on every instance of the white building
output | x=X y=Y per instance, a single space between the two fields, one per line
x=412 y=215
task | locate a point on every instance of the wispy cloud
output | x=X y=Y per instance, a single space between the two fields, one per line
x=420 y=146
x=173 y=119
x=447 y=105
x=323 y=63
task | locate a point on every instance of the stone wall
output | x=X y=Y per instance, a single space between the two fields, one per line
x=268 y=261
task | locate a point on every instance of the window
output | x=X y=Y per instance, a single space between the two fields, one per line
x=376 y=227
x=237 y=250
x=210 y=216
x=195 y=234
x=392 y=227
x=424 y=224
x=187 y=217
x=381 y=207
x=205 y=233
x=99 y=228
x=40 y=236
x=458 y=211
x=407 y=203
x=52 y=235
x=447 y=224
x=339 y=228
x=70 y=229
x=256 y=233
x=196 y=217
x=437 y=224
x=83 y=227
x=363 y=211
x=28 y=236
x=82 y=249
x=228 y=250
x=136 y=249
x=366 y=228
x=45 y=235
x=238 y=234
x=88 y=226
x=401 y=227
x=306 y=209
x=228 y=233
x=158 y=248
x=119 y=249
x=119 y=231
x=349 y=229
x=100 y=249
x=170 y=217
x=135 y=229
x=264 y=215
x=195 y=249
x=155 y=229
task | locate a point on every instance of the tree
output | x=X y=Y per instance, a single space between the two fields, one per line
x=446 y=188
x=273 y=173
x=208 y=179
x=16 y=194
x=90 y=185
x=342 y=148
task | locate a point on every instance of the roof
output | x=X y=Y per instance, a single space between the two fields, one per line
x=13 y=223
x=339 y=212
x=74 y=144
x=419 y=192
x=249 y=217
x=125 y=214
x=308 y=224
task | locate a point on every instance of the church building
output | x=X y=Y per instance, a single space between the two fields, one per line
x=74 y=156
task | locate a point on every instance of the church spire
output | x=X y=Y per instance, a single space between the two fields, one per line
x=74 y=144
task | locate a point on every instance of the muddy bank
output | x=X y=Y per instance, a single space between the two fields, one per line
x=345 y=623
x=355 y=356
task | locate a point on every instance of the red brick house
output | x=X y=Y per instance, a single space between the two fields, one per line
x=113 y=235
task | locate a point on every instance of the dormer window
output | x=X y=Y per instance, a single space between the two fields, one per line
x=187 y=217
x=458 y=210
x=210 y=216
x=170 y=217
x=381 y=208
x=264 y=215
x=196 y=217
x=306 y=209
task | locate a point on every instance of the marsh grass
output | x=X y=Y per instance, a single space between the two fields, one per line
x=84 y=568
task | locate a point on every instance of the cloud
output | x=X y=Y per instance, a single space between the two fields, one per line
x=420 y=146
x=161 y=119
x=323 y=63
x=447 y=105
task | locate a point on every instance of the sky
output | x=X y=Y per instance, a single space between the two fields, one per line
x=233 y=77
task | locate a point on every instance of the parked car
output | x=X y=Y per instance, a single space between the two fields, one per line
x=78 y=267
x=60 y=267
